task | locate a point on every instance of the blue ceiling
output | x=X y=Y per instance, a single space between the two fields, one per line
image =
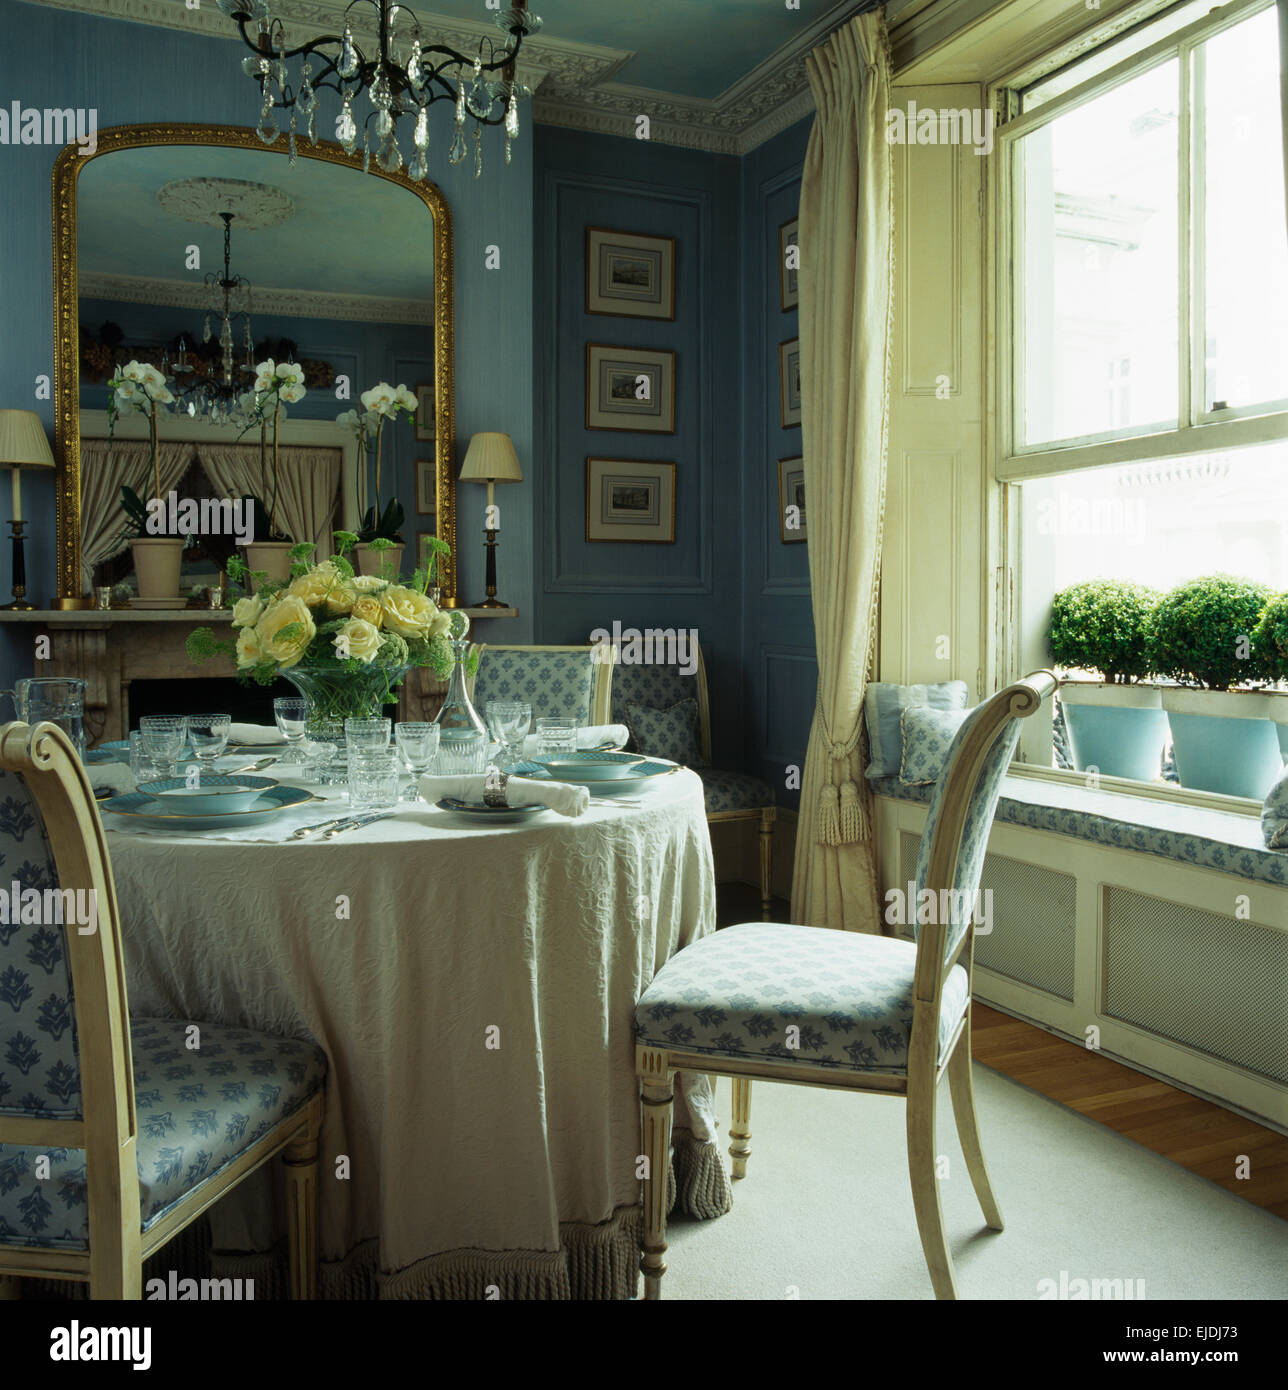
x=123 y=230
x=693 y=48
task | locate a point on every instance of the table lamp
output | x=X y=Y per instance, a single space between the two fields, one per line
x=491 y=459
x=23 y=444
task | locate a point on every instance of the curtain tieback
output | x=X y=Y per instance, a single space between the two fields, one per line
x=842 y=818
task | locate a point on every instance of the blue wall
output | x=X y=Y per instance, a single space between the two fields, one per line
x=781 y=673
x=134 y=72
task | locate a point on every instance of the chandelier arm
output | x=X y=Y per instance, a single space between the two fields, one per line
x=274 y=55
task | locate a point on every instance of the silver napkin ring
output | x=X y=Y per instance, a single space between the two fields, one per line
x=494 y=790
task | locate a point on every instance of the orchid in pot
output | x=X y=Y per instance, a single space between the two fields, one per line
x=139 y=388
x=277 y=384
x=382 y=405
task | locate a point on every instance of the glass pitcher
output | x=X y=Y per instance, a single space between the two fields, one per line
x=59 y=700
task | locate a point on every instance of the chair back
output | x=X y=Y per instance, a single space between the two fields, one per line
x=660 y=685
x=553 y=680
x=66 y=1076
x=956 y=834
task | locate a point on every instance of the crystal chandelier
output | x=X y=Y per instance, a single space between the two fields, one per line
x=407 y=77
x=219 y=394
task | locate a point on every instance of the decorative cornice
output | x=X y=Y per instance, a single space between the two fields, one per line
x=573 y=81
x=304 y=304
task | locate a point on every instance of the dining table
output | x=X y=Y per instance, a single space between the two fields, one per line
x=473 y=987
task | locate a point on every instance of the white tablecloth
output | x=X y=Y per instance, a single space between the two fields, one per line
x=471 y=1164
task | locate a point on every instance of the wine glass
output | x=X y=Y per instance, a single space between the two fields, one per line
x=509 y=721
x=208 y=734
x=292 y=716
x=418 y=745
x=163 y=739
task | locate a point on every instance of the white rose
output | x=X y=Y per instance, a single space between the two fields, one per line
x=368 y=583
x=248 y=611
x=286 y=612
x=358 y=639
x=249 y=651
x=407 y=611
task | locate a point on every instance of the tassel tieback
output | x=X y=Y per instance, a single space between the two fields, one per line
x=842 y=818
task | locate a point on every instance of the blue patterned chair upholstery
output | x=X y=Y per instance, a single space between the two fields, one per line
x=203 y=1116
x=727 y=795
x=827 y=1008
x=553 y=680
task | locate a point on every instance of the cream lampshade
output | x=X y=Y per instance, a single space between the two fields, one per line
x=23 y=444
x=491 y=459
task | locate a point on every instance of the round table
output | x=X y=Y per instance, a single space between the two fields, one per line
x=473 y=989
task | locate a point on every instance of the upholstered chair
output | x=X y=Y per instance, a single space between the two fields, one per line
x=142 y=1123
x=668 y=713
x=815 y=1007
x=555 y=681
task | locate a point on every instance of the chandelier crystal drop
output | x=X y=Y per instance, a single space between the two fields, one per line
x=402 y=72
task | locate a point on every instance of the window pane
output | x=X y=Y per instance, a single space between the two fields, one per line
x=1247 y=251
x=1097 y=310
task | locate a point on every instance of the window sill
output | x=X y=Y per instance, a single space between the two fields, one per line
x=1229 y=842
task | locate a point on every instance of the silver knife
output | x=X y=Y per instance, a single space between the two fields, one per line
x=355 y=823
x=318 y=825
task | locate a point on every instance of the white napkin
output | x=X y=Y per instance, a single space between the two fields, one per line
x=519 y=791
x=592 y=736
x=258 y=734
x=117 y=776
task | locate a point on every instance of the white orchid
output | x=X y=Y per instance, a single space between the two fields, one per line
x=380 y=399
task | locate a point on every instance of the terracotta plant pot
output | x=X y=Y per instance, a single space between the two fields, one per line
x=377 y=561
x=157 y=562
x=273 y=557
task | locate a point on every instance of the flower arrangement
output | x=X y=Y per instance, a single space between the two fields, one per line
x=382 y=404
x=139 y=388
x=344 y=639
x=276 y=384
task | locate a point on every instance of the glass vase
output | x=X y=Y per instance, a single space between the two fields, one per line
x=335 y=695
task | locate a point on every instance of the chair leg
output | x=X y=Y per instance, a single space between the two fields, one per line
x=767 y=817
x=656 y=1097
x=300 y=1159
x=740 y=1128
x=925 y=1188
x=961 y=1081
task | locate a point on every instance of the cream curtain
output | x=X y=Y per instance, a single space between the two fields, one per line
x=845 y=304
x=107 y=465
x=1283 y=87
x=308 y=485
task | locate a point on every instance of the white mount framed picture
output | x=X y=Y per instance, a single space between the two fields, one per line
x=630 y=389
x=630 y=500
x=630 y=274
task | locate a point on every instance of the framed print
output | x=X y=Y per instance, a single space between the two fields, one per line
x=789 y=259
x=630 y=501
x=789 y=381
x=630 y=389
x=426 y=496
x=426 y=425
x=630 y=274
x=791 y=501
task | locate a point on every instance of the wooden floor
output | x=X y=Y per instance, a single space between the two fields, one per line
x=1200 y=1136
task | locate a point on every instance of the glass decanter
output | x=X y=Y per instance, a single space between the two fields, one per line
x=458 y=718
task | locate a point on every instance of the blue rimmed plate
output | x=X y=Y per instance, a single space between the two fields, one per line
x=147 y=811
x=213 y=794
x=493 y=815
x=640 y=775
x=583 y=768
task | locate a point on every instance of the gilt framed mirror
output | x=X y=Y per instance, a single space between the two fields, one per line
x=346 y=272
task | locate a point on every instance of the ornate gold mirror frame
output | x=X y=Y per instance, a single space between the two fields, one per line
x=67 y=169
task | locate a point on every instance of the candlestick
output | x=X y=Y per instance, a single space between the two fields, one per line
x=17 y=494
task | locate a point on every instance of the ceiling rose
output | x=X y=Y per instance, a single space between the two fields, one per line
x=254 y=205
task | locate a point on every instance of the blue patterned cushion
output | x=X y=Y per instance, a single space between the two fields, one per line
x=883 y=707
x=667 y=733
x=733 y=791
x=39 y=1067
x=979 y=821
x=658 y=686
x=197 y=1110
x=735 y=994
x=927 y=736
x=553 y=683
x=1274 y=814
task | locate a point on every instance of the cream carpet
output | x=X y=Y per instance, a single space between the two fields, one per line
x=826 y=1212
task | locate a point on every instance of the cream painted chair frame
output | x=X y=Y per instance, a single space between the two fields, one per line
x=601 y=691
x=919 y=1085
x=108 y=1131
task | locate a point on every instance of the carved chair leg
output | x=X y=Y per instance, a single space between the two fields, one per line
x=300 y=1159
x=961 y=1082
x=925 y=1188
x=740 y=1128
x=656 y=1097
x=767 y=817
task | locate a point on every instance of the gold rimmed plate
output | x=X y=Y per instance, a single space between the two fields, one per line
x=145 y=810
